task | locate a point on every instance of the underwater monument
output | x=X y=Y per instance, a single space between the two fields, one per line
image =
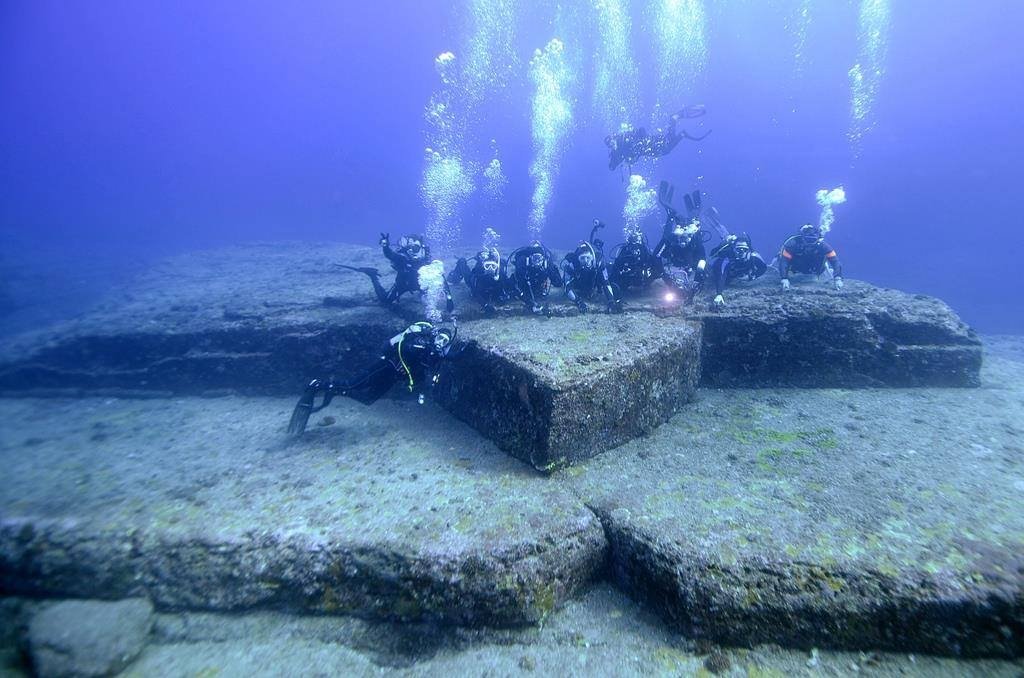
x=469 y=428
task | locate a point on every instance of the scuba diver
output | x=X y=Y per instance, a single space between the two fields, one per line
x=414 y=356
x=633 y=266
x=487 y=279
x=734 y=258
x=681 y=249
x=407 y=260
x=629 y=145
x=584 y=272
x=808 y=253
x=535 y=271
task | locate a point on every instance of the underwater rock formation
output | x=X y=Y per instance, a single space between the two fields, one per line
x=558 y=391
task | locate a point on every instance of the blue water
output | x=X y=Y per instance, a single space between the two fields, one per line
x=130 y=130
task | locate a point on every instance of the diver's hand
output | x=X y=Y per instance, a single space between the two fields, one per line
x=838 y=283
x=581 y=306
x=385 y=239
x=719 y=301
x=414 y=329
x=785 y=283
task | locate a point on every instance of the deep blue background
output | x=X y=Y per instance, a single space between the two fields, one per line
x=131 y=130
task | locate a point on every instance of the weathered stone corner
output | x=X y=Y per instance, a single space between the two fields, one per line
x=557 y=391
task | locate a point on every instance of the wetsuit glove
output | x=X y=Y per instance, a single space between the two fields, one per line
x=719 y=301
x=785 y=283
x=838 y=282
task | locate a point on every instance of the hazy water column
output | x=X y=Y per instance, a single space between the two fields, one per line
x=679 y=27
x=552 y=117
x=616 y=92
x=866 y=74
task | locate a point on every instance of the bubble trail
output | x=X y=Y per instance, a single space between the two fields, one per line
x=827 y=198
x=866 y=74
x=447 y=181
x=552 y=116
x=431 y=279
x=641 y=202
x=679 y=36
x=495 y=181
x=490 y=54
x=802 y=22
x=616 y=96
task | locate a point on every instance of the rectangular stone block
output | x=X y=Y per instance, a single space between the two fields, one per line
x=557 y=391
x=815 y=337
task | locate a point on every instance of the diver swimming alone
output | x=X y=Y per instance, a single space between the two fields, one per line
x=630 y=145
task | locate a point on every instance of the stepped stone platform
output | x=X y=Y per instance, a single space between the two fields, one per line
x=263 y=319
x=204 y=504
x=557 y=391
x=853 y=519
x=884 y=519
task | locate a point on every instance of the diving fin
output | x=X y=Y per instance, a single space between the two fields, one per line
x=688 y=199
x=366 y=270
x=300 y=415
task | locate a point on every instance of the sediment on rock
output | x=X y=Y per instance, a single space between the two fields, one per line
x=556 y=392
x=807 y=605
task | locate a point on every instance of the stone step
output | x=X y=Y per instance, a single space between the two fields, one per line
x=555 y=391
x=204 y=504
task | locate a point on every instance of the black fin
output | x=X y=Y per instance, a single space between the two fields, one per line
x=300 y=415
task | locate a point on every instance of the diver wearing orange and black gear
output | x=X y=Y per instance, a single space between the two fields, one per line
x=807 y=252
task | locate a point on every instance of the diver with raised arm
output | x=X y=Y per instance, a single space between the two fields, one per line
x=407 y=259
x=584 y=272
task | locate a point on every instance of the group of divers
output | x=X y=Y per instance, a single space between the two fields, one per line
x=586 y=274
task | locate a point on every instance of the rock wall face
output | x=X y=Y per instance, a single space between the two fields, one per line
x=554 y=392
x=813 y=336
x=264 y=319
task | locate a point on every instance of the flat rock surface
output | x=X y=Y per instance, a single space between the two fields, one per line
x=879 y=518
x=602 y=633
x=395 y=512
x=88 y=637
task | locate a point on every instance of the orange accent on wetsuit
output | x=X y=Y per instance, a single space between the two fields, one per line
x=787 y=255
x=831 y=255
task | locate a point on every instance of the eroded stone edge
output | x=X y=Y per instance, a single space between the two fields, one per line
x=517 y=584
x=806 y=605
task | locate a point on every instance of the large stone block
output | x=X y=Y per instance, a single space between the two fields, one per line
x=556 y=391
x=813 y=336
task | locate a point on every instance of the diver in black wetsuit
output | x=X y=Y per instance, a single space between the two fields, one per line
x=415 y=356
x=633 y=266
x=584 y=273
x=808 y=253
x=534 y=273
x=734 y=258
x=487 y=279
x=407 y=260
x=683 y=256
x=629 y=145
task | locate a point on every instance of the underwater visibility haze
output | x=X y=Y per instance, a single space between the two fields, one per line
x=135 y=130
x=485 y=337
